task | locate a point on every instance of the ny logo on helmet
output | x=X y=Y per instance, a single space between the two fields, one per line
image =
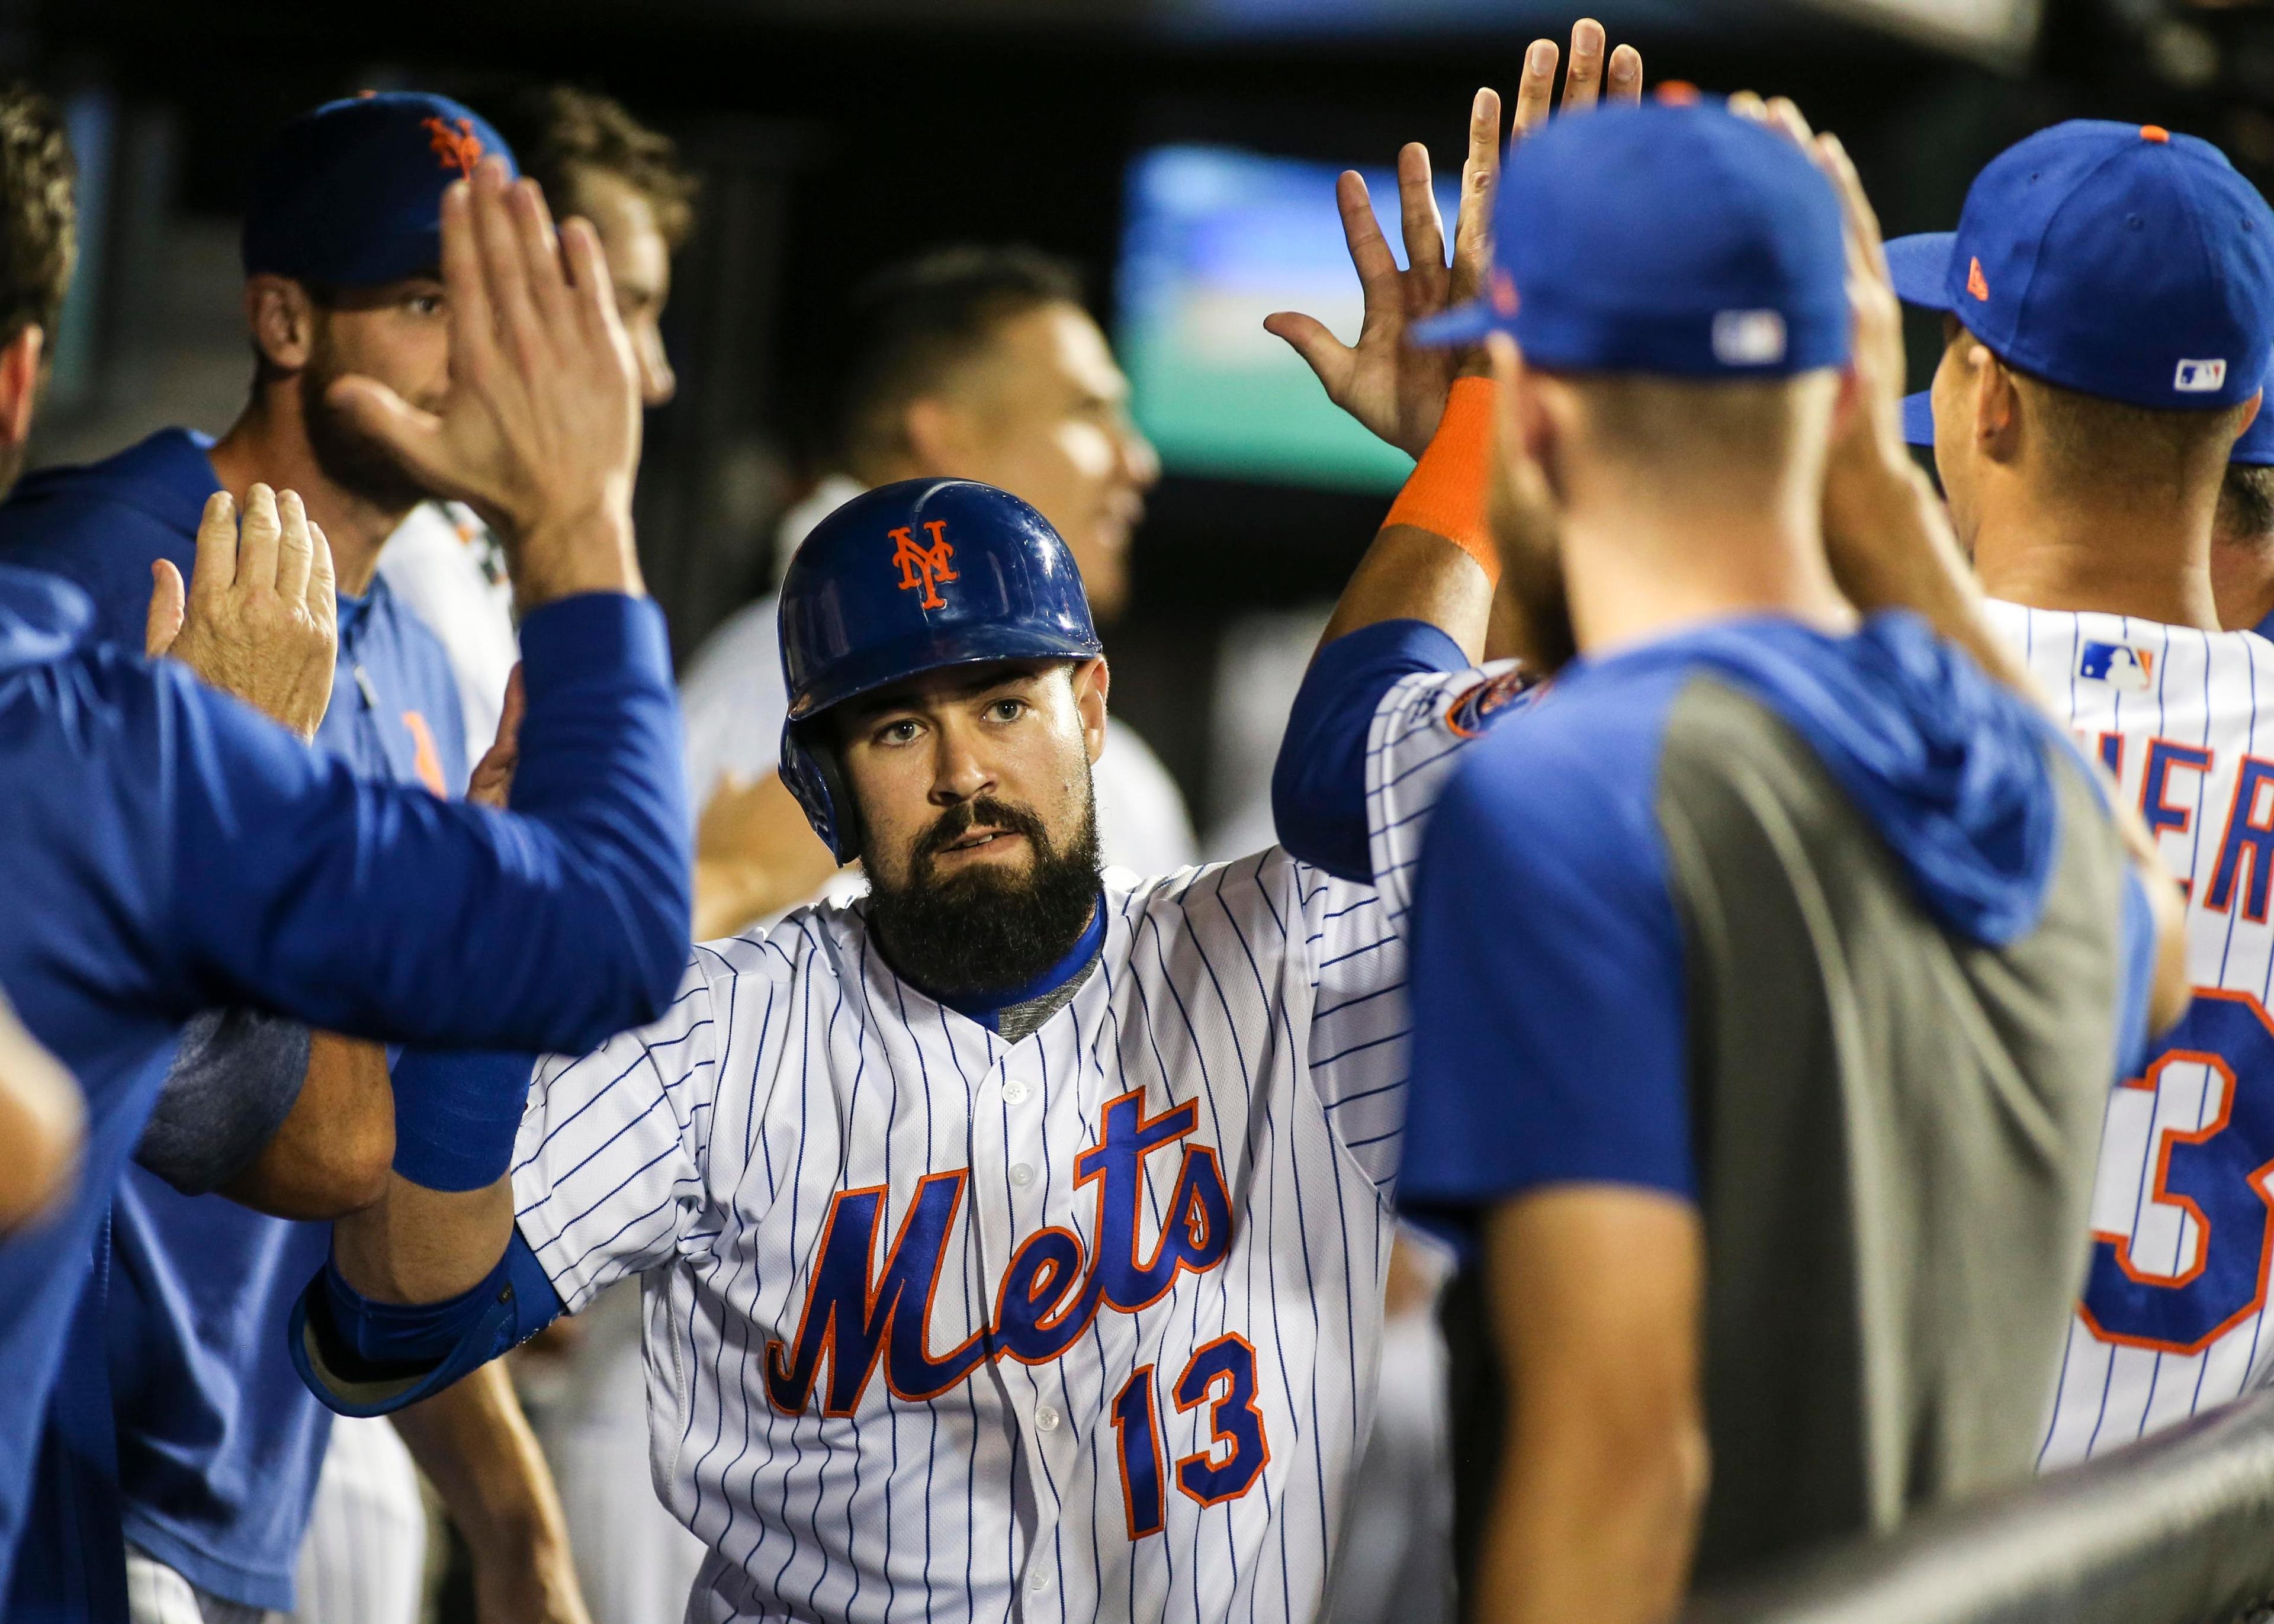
x=924 y=567
x=459 y=150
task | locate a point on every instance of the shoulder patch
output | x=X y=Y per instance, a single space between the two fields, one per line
x=1472 y=710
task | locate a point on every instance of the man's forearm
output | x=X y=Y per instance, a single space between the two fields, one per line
x=419 y=1245
x=1590 y=1529
x=1424 y=564
x=473 y=1442
x=1891 y=548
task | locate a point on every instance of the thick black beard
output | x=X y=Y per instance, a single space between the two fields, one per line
x=357 y=465
x=983 y=930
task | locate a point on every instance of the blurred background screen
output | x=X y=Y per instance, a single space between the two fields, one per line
x=1214 y=239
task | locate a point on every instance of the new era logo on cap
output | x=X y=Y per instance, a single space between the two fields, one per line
x=1748 y=337
x=2200 y=377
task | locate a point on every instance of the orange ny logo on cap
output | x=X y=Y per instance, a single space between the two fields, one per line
x=1976 y=283
x=459 y=150
x=922 y=566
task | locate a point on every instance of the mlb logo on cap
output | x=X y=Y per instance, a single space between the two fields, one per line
x=2200 y=377
x=2118 y=665
x=2118 y=261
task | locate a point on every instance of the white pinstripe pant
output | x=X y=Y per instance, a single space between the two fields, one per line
x=364 y=1558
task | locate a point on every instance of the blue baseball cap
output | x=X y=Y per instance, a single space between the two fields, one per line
x=1665 y=238
x=2119 y=261
x=2255 y=449
x=350 y=195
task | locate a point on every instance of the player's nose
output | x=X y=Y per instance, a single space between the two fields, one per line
x=958 y=773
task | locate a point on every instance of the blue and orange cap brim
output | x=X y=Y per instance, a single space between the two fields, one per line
x=1919 y=266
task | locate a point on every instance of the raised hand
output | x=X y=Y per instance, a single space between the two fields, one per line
x=260 y=617
x=1398 y=391
x=539 y=431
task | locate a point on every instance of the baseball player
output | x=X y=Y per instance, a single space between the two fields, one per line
x=165 y=849
x=2085 y=414
x=1723 y=946
x=1006 y=1239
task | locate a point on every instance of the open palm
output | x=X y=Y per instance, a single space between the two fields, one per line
x=1396 y=390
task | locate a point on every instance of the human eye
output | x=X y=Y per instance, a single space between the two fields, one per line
x=898 y=733
x=426 y=303
x=1006 y=708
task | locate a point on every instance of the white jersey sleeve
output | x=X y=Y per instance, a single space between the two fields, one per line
x=2174 y=1318
x=607 y=1166
x=1361 y=1021
x=1420 y=732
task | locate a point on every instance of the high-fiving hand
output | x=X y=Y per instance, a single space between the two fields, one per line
x=260 y=618
x=539 y=431
x=1398 y=391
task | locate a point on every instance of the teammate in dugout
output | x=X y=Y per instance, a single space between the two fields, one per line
x=2108 y=302
x=1008 y=1238
x=1770 y=969
x=264 y=1126
x=169 y=849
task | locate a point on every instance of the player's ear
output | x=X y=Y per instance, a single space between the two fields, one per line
x=1996 y=405
x=2251 y=408
x=282 y=321
x=1089 y=681
x=20 y=360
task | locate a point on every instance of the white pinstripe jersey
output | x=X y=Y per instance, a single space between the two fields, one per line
x=944 y=1327
x=2173 y=1317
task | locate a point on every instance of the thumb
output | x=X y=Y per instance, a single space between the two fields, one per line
x=414 y=436
x=1322 y=351
x=169 y=602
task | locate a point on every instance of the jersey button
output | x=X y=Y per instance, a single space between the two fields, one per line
x=1015 y=1092
x=1039 y=1583
x=1021 y=1175
x=1046 y=1418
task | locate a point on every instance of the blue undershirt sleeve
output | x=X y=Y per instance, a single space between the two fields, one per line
x=365 y=1357
x=382 y=911
x=1550 y=1044
x=235 y=1076
x=1318 y=786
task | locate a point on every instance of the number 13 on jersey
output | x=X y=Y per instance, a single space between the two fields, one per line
x=1221 y=1374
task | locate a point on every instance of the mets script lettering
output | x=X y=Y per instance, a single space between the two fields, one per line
x=922 y=566
x=855 y=1317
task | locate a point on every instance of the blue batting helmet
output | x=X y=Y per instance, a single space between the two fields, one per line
x=909 y=578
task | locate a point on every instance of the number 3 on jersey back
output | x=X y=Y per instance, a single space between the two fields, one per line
x=2211 y=1179
x=1222 y=1375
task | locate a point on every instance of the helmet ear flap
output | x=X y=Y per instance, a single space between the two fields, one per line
x=810 y=770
